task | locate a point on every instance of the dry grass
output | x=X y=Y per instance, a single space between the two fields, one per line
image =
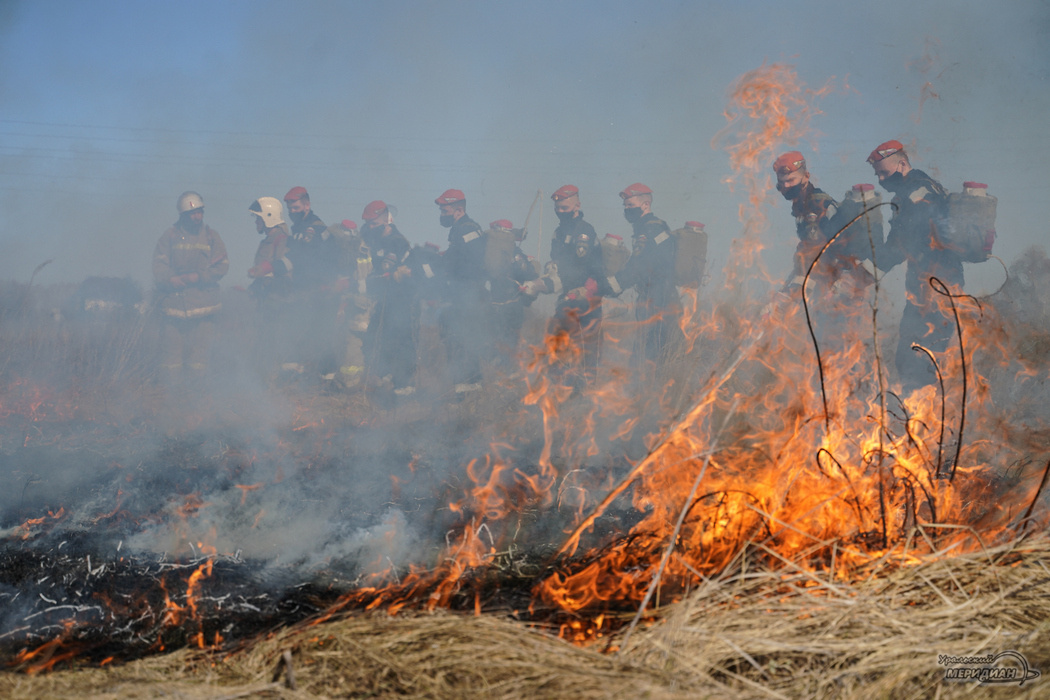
x=746 y=634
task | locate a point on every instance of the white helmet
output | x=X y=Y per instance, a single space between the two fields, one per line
x=188 y=201
x=268 y=209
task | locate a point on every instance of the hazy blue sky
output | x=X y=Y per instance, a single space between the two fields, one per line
x=108 y=110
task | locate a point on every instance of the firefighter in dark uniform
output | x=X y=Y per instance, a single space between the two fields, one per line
x=310 y=246
x=380 y=234
x=390 y=340
x=315 y=256
x=650 y=270
x=919 y=209
x=463 y=322
x=816 y=221
x=580 y=279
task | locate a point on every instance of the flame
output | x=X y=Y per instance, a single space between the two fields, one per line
x=790 y=463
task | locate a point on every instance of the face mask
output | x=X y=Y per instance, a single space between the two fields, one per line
x=633 y=214
x=187 y=223
x=447 y=220
x=297 y=216
x=893 y=182
x=790 y=193
x=565 y=215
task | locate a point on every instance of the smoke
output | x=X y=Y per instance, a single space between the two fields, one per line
x=109 y=111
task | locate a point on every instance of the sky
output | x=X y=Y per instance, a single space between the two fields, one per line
x=109 y=110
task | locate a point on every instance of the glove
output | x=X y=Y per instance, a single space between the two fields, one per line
x=177 y=282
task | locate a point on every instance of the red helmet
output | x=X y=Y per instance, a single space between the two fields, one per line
x=789 y=162
x=635 y=190
x=564 y=192
x=451 y=197
x=885 y=150
x=295 y=194
x=373 y=210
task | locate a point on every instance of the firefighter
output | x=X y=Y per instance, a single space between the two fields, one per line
x=309 y=245
x=463 y=328
x=580 y=281
x=315 y=255
x=817 y=219
x=271 y=285
x=380 y=234
x=272 y=272
x=919 y=209
x=390 y=340
x=188 y=262
x=650 y=270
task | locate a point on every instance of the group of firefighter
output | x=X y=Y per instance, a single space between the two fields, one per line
x=346 y=303
x=841 y=247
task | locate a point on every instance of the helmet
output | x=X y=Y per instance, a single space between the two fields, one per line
x=188 y=201
x=268 y=209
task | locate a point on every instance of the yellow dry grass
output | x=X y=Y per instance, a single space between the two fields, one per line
x=747 y=634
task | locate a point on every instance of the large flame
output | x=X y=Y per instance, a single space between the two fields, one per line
x=799 y=465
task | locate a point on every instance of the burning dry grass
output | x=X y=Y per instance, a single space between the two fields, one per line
x=745 y=634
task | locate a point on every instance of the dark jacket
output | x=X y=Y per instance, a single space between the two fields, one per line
x=464 y=262
x=314 y=254
x=920 y=209
x=650 y=269
x=573 y=269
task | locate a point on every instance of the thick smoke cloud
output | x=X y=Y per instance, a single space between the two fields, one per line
x=110 y=111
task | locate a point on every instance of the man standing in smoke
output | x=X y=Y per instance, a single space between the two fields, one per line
x=188 y=262
x=463 y=322
x=580 y=280
x=309 y=245
x=316 y=256
x=390 y=340
x=650 y=270
x=271 y=281
x=919 y=210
